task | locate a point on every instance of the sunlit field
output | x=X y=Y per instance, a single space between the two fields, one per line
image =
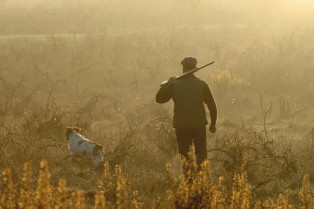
x=98 y=65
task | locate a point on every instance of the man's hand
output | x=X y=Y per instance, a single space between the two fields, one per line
x=212 y=129
x=170 y=80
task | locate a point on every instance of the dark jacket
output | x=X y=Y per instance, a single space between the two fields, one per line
x=189 y=94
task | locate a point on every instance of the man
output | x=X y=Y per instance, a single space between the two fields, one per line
x=189 y=120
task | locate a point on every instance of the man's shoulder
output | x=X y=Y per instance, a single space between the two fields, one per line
x=201 y=81
x=192 y=79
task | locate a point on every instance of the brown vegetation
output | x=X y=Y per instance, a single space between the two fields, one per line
x=192 y=190
x=94 y=65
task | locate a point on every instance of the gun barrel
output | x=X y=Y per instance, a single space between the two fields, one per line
x=187 y=73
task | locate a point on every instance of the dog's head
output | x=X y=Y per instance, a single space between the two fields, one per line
x=69 y=130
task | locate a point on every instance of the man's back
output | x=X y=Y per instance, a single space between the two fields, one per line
x=188 y=95
x=188 y=100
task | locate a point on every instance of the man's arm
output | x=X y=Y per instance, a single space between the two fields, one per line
x=211 y=104
x=165 y=93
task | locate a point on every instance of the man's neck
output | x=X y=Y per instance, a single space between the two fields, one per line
x=184 y=71
x=188 y=68
x=188 y=76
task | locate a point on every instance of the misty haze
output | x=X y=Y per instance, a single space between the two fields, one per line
x=80 y=123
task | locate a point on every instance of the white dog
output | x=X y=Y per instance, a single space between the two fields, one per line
x=81 y=147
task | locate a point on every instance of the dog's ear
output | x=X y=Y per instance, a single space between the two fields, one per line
x=68 y=131
x=78 y=130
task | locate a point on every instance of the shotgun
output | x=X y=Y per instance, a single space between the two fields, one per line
x=186 y=73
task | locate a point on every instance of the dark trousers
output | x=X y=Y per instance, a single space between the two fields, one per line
x=187 y=136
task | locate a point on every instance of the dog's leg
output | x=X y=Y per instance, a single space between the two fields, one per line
x=63 y=159
x=74 y=158
x=100 y=167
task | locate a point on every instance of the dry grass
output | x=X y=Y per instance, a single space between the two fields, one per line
x=191 y=190
x=105 y=82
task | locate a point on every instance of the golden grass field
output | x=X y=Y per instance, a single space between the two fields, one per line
x=98 y=65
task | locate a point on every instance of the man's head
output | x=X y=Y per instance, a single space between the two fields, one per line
x=188 y=63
